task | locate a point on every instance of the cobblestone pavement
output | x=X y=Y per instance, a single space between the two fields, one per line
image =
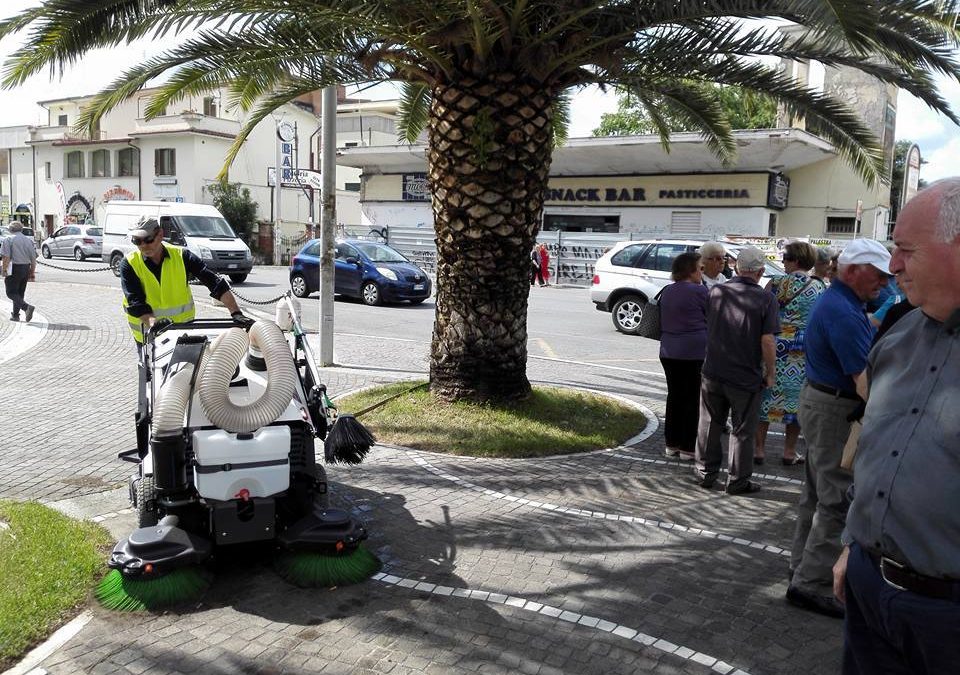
x=608 y=562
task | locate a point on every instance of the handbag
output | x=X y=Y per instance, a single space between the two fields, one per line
x=649 y=326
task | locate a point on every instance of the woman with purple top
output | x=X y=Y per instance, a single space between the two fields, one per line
x=683 y=343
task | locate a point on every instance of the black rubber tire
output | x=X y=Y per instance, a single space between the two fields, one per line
x=146 y=502
x=299 y=286
x=45 y=252
x=238 y=278
x=370 y=294
x=78 y=255
x=627 y=312
x=115 y=263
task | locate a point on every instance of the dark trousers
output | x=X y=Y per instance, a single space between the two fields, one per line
x=887 y=631
x=16 y=286
x=683 y=402
x=536 y=275
x=717 y=400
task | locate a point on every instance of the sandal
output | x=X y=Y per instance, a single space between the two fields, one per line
x=793 y=461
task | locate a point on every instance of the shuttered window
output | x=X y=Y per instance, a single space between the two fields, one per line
x=685 y=222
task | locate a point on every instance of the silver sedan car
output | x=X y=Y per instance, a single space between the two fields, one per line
x=73 y=241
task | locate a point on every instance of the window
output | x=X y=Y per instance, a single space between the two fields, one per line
x=165 y=161
x=841 y=225
x=313 y=249
x=74 y=231
x=344 y=251
x=351 y=187
x=47 y=172
x=74 y=164
x=662 y=259
x=100 y=163
x=685 y=222
x=62 y=121
x=210 y=106
x=630 y=256
x=128 y=162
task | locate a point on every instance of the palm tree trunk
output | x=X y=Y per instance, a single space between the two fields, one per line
x=490 y=144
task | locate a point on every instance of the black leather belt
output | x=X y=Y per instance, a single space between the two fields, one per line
x=903 y=578
x=833 y=391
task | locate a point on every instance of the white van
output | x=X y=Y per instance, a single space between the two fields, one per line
x=199 y=228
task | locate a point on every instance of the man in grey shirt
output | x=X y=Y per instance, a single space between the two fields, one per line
x=742 y=319
x=18 y=264
x=899 y=573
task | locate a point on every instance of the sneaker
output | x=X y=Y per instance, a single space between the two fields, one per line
x=14 y=317
x=744 y=487
x=29 y=313
x=815 y=603
x=671 y=452
x=706 y=481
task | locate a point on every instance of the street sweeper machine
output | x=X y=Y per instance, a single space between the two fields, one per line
x=228 y=414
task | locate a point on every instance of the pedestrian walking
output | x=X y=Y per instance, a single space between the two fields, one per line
x=899 y=572
x=838 y=339
x=18 y=265
x=742 y=320
x=536 y=272
x=544 y=264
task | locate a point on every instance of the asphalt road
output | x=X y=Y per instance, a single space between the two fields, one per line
x=562 y=323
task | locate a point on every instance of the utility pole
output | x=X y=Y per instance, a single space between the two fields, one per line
x=277 y=220
x=328 y=219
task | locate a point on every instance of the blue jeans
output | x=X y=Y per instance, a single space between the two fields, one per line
x=892 y=631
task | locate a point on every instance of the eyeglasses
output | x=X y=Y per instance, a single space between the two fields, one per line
x=139 y=241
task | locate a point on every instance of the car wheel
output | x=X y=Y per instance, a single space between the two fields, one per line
x=115 y=263
x=627 y=312
x=238 y=278
x=78 y=255
x=45 y=252
x=146 y=502
x=370 y=294
x=298 y=284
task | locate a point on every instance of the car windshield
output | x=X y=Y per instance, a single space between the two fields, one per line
x=205 y=226
x=378 y=252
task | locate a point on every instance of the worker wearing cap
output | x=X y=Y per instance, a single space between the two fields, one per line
x=154 y=281
x=837 y=341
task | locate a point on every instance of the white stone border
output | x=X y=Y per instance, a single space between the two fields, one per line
x=649 y=522
x=25 y=336
x=37 y=655
x=575 y=618
x=670 y=462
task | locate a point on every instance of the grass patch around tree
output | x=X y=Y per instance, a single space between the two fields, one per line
x=552 y=421
x=48 y=565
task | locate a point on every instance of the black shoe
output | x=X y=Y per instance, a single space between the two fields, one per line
x=815 y=603
x=745 y=487
x=706 y=482
x=28 y=315
x=758 y=461
x=14 y=317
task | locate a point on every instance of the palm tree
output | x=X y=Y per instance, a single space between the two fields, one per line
x=489 y=80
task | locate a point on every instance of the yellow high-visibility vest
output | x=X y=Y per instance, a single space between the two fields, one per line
x=170 y=297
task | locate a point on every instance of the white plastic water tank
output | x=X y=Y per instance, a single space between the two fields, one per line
x=228 y=464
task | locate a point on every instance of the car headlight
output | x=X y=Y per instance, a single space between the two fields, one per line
x=388 y=273
x=206 y=253
x=247 y=255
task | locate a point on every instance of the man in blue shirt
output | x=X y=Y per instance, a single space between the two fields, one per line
x=837 y=341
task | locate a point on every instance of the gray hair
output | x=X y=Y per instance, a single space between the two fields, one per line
x=712 y=248
x=16 y=226
x=824 y=253
x=948 y=220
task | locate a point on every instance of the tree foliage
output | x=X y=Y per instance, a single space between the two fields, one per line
x=234 y=202
x=899 y=169
x=744 y=109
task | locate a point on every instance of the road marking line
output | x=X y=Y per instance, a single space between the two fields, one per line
x=545 y=347
x=591 y=622
x=24 y=337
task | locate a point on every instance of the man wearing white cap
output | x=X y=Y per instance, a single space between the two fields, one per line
x=900 y=572
x=837 y=341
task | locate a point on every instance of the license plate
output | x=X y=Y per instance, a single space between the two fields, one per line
x=418 y=287
x=232 y=266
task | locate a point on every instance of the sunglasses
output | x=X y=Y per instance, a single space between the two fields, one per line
x=137 y=241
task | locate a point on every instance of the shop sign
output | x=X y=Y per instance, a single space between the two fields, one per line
x=415 y=187
x=79 y=210
x=778 y=191
x=118 y=194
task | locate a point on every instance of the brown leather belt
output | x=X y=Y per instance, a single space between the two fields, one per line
x=833 y=391
x=903 y=578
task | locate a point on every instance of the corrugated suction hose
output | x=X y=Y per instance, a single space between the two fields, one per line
x=220 y=362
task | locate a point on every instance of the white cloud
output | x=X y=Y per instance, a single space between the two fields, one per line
x=917 y=122
x=943 y=161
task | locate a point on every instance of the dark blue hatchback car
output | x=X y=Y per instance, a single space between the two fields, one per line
x=368 y=270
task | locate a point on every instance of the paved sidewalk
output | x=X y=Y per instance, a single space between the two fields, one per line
x=610 y=562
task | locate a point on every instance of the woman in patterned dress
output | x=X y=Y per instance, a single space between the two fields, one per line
x=796 y=292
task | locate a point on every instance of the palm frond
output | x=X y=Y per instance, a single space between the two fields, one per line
x=413 y=112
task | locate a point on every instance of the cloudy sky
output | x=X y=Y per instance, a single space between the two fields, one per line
x=938 y=137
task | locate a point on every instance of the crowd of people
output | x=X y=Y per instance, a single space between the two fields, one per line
x=877 y=538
